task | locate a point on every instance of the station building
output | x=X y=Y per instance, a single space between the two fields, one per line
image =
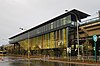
x=58 y=36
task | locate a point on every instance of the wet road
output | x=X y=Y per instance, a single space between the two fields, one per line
x=11 y=61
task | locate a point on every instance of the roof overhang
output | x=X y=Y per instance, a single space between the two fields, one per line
x=77 y=15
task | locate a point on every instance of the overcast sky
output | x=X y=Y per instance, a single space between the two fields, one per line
x=29 y=13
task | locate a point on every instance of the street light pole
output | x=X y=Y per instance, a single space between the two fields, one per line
x=78 y=40
x=77 y=31
x=95 y=40
x=28 y=48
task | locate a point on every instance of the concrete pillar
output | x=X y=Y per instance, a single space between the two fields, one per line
x=99 y=14
x=13 y=51
x=18 y=48
x=14 y=46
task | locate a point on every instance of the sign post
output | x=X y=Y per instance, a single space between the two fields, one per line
x=95 y=40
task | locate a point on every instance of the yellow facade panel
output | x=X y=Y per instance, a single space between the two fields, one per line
x=45 y=44
x=52 y=40
x=64 y=37
x=24 y=44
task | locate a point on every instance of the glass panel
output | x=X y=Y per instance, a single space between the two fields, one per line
x=52 y=40
x=52 y=25
x=24 y=44
x=66 y=20
x=48 y=26
x=64 y=37
x=33 y=43
x=46 y=41
x=35 y=31
x=42 y=41
x=60 y=22
x=55 y=39
x=55 y=24
x=44 y=28
x=38 y=31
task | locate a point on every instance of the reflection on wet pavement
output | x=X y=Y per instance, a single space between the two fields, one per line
x=11 y=61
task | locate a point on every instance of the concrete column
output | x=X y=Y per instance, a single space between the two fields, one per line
x=18 y=48
x=99 y=14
